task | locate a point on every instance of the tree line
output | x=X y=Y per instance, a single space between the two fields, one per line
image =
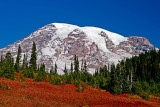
x=137 y=75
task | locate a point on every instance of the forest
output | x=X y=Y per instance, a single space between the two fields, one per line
x=137 y=75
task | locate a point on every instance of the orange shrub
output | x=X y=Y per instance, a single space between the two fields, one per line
x=135 y=97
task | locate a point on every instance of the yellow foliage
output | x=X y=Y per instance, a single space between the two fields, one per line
x=135 y=97
x=35 y=74
x=103 y=90
x=154 y=97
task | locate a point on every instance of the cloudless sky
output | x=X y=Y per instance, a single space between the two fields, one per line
x=19 y=18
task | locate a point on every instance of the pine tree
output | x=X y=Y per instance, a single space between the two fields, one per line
x=85 y=67
x=82 y=66
x=71 y=67
x=1 y=66
x=33 y=60
x=31 y=73
x=41 y=73
x=55 y=69
x=112 y=82
x=8 y=71
x=24 y=64
x=17 y=64
x=65 y=70
x=76 y=64
x=51 y=71
x=159 y=56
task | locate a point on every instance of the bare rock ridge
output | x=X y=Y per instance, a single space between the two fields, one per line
x=59 y=42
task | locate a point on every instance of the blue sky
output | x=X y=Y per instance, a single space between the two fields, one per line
x=19 y=18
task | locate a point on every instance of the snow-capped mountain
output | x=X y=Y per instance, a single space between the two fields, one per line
x=59 y=42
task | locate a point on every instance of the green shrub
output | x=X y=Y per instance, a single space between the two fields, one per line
x=56 y=80
x=1 y=85
x=8 y=87
x=144 y=95
x=80 y=89
x=21 y=78
x=24 y=85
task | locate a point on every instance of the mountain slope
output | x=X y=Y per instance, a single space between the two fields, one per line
x=59 y=42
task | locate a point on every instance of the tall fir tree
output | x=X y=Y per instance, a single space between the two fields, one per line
x=55 y=69
x=82 y=66
x=33 y=60
x=76 y=64
x=41 y=73
x=9 y=66
x=65 y=70
x=85 y=67
x=24 y=63
x=17 y=64
x=71 y=67
x=51 y=70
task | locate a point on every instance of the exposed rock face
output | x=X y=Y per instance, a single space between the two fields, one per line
x=58 y=43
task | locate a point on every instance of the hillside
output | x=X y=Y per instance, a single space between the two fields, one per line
x=29 y=93
x=138 y=75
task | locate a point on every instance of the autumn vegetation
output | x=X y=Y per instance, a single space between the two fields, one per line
x=132 y=82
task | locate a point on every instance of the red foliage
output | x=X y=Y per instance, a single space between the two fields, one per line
x=124 y=95
x=47 y=94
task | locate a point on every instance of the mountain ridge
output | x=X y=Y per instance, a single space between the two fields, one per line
x=59 y=42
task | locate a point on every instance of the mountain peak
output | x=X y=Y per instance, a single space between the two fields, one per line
x=59 y=42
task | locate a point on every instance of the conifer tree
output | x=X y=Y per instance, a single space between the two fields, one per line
x=159 y=56
x=112 y=83
x=76 y=64
x=33 y=60
x=82 y=66
x=55 y=69
x=17 y=64
x=65 y=70
x=1 y=66
x=41 y=73
x=71 y=67
x=31 y=73
x=85 y=67
x=51 y=70
x=8 y=71
x=24 y=64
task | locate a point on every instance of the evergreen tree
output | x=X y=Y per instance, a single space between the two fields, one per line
x=41 y=74
x=65 y=70
x=85 y=67
x=76 y=64
x=55 y=69
x=112 y=82
x=82 y=67
x=51 y=71
x=17 y=64
x=33 y=60
x=159 y=56
x=71 y=67
x=24 y=64
x=8 y=71
x=31 y=73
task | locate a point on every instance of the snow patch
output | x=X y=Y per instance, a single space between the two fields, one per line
x=63 y=29
x=48 y=51
x=94 y=31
